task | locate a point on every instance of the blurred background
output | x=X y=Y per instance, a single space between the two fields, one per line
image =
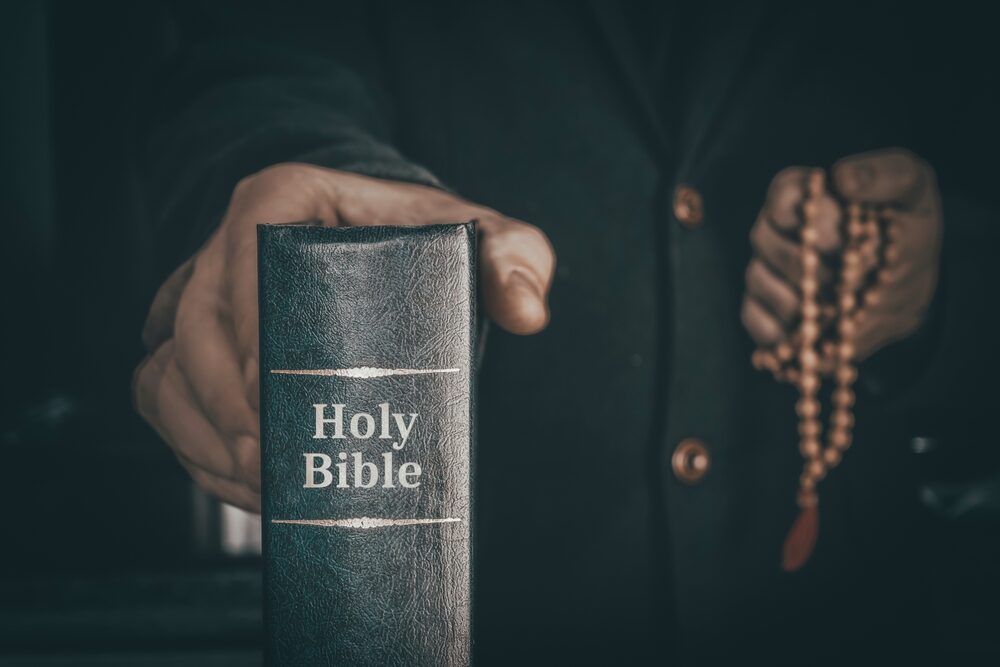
x=109 y=555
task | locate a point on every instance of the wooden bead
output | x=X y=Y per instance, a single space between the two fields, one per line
x=846 y=375
x=809 y=428
x=810 y=448
x=815 y=469
x=810 y=332
x=784 y=351
x=809 y=235
x=855 y=229
x=831 y=457
x=806 y=482
x=843 y=397
x=807 y=408
x=872 y=298
x=806 y=497
x=842 y=419
x=810 y=311
x=809 y=287
x=808 y=359
x=845 y=351
x=840 y=439
x=809 y=383
x=810 y=260
x=847 y=302
x=851 y=278
x=846 y=327
x=810 y=209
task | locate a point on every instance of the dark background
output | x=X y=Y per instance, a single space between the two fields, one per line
x=107 y=548
x=108 y=554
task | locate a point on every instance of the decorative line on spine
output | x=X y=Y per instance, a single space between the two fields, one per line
x=364 y=522
x=365 y=372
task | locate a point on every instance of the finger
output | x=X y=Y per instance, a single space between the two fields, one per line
x=785 y=195
x=781 y=254
x=893 y=177
x=224 y=489
x=776 y=295
x=205 y=350
x=189 y=433
x=517 y=266
x=146 y=381
x=784 y=209
x=827 y=220
x=763 y=327
x=160 y=392
x=165 y=401
x=517 y=261
x=159 y=323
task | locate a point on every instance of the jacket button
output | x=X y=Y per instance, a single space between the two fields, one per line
x=688 y=206
x=690 y=461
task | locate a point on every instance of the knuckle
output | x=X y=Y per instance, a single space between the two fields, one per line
x=246 y=454
x=283 y=173
x=284 y=170
x=789 y=178
x=534 y=235
x=243 y=187
x=788 y=175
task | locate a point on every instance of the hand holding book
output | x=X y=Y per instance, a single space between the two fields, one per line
x=199 y=385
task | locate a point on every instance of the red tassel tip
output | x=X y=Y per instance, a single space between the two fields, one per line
x=801 y=539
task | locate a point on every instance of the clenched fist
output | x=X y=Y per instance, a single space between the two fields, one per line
x=199 y=386
x=897 y=180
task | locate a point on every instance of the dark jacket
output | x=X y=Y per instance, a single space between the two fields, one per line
x=589 y=548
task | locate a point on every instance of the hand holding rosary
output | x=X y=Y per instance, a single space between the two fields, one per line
x=822 y=349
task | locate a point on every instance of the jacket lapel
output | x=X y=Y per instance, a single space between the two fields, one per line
x=717 y=67
x=617 y=37
x=724 y=54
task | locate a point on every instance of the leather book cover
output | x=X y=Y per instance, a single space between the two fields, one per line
x=367 y=435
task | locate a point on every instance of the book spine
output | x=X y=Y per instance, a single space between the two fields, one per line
x=367 y=391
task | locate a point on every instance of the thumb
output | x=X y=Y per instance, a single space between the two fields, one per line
x=516 y=259
x=517 y=264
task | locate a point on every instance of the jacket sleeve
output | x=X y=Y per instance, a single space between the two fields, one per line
x=253 y=84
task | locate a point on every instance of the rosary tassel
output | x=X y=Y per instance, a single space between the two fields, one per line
x=801 y=539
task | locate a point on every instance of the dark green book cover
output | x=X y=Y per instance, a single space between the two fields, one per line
x=367 y=390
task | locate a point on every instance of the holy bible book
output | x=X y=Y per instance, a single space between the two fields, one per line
x=366 y=351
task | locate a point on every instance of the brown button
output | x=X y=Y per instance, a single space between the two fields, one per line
x=688 y=208
x=690 y=461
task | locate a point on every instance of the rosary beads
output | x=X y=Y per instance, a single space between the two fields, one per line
x=823 y=347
